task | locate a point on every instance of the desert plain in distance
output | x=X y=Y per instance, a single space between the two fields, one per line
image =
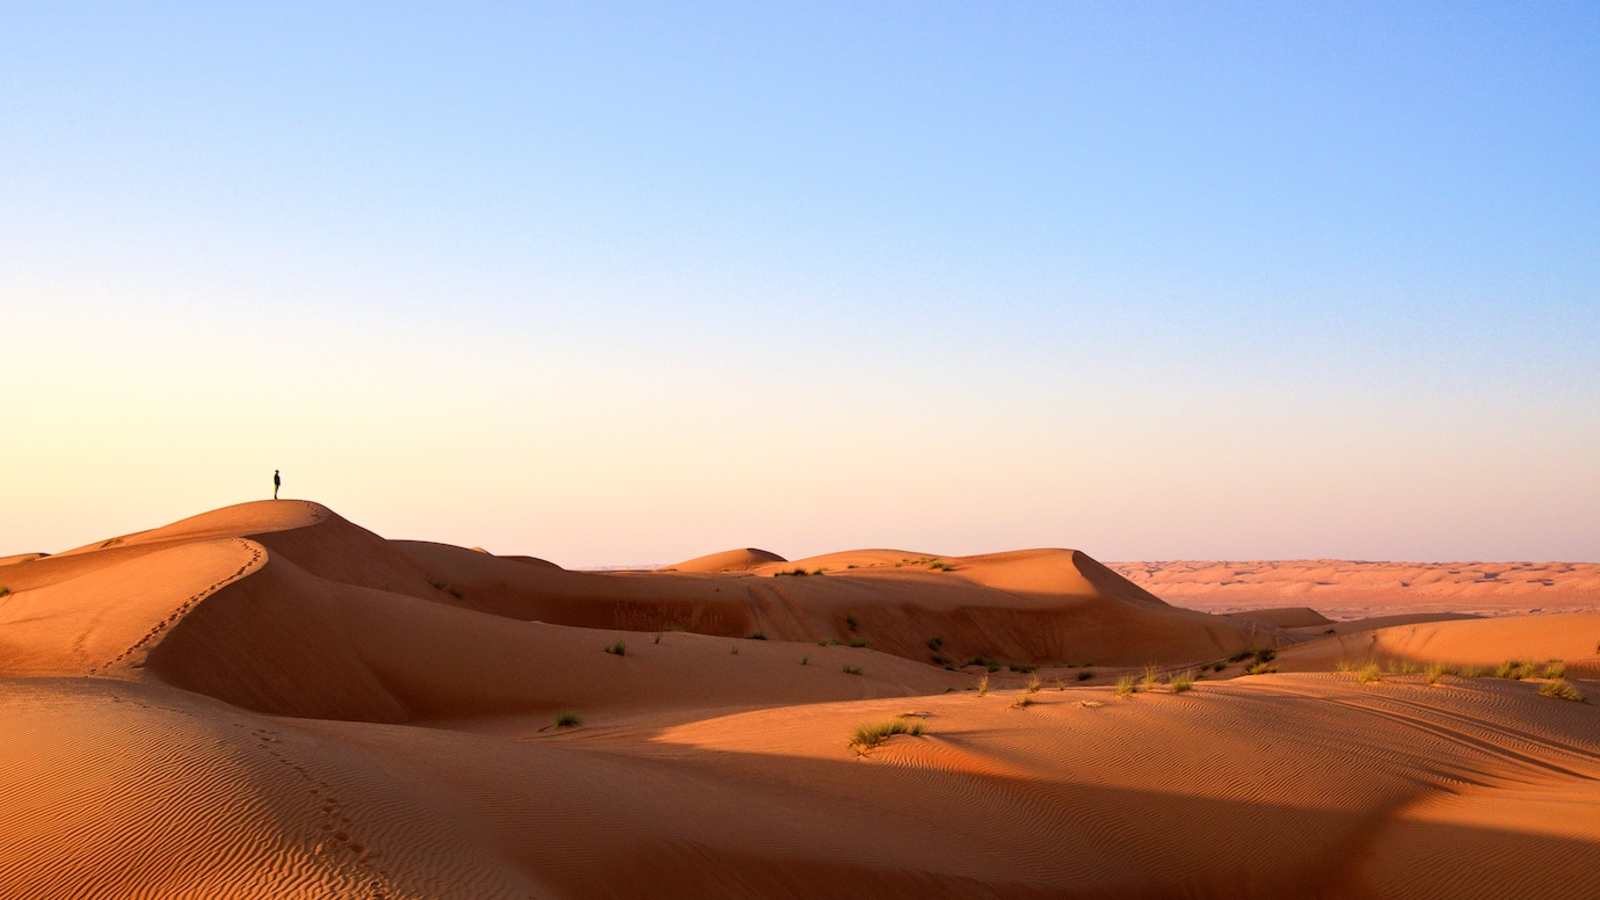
x=268 y=700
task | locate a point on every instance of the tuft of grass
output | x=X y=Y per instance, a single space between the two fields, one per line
x=1261 y=668
x=733 y=650
x=1033 y=684
x=1403 y=667
x=1218 y=666
x=818 y=571
x=983 y=685
x=851 y=623
x=1181 y=682
x=1126 y=686
x=658 y=637
x=1023 y=701
x=869 y=736
x=1555 y=668
x=940 y=660
x=1266 y=654
x=1561 y=689
x=1085 y=675
x=940 y=565
x=1369 y=673
x=805 y=660
x=858 y=643
x=1514 y=669
x=1433 y=673
x=568 y=720
x=618 y=649
x=1344 y=665
x=852 y=670
x=794 y=573
x=936 y=644
x=1150 y=679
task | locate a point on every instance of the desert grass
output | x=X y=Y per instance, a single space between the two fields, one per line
x=1434 y=672
x=1085 y=675
x=940 y=565
x=1344 y=666
x=1561 y=689
x=1369 y=673
x=1514 y=669
x=658 y=637
x=1261 y=668
x=620 y=648
x=734 y=650
x=1126 y=686
x=1023 y=701
x=1032 y=685
x=568 y=720
x=858 y=643
x=1555 y=668
x=983 y=684
x=1150 y=679
x=869 y=736
x=1182 y=681
x=852 y=670
x=851 y=623
x=805 y=660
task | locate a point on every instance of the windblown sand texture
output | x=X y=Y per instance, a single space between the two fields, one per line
x=270 y=701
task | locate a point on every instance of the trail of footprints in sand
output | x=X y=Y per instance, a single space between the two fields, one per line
x=184 y=608
x=336 y=830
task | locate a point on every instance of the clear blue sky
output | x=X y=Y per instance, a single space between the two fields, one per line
x=625 y=284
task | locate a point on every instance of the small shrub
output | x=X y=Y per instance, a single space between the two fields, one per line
x=983 y=685
x=617 y=649
x=5 y=591
x=658 y=637
x=1019 y=667
x=793 y=573
x=816 y=571
x=1181 y=682
x=1343 y=665
x=1125 y=686
x=758 y=636
x=1514 y=669
x=1261 y=668
x=1241 y=656
x=1555 y=668
x=1561 y=689
x=851 y=623
x=1150 y=679
x=1033 y=684
x=1369 y=673
x=936 y=644
x=992 y=667
x=852 y=670
x=1085 y=675
x=733 y=650
x=868 y=736
x=1433 y=673
x=805 y=660
x=858 y=643
x=1266 y=655
x=940 y=565
x=568 y=720
x=1023 y=701
x=1218 y=666
x=941 y=660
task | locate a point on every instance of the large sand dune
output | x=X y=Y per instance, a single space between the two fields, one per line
x=269 y=701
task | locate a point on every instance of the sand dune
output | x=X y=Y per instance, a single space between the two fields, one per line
x=270 y=701
x=738 y=560
x=1347 y=590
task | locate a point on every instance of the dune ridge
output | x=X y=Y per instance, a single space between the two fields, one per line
x=270 y=701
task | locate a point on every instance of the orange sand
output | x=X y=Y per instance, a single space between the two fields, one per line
x=269 y=701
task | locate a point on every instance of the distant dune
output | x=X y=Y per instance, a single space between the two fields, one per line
x=268 y=700
x=727 y=561
x=1345 y=589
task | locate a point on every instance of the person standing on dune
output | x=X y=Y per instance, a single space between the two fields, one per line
x=277 y=482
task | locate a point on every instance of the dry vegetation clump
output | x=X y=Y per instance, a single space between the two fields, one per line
x=1182 y=681
x=568 y=720
x=983 y=684
x=1369 y=673
x=1555 y=668
x=869 y=736
x=1515 y=669
x=1434 y=672
x=852 y=670
x=618 y=649
x=1033 y=684
x=1261 y=668
x=1085 y=675
x=1150 y=679
x=1023 y=701
x=1126 y=686
x=1561 y=689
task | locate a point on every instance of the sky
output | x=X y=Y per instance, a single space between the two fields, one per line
x=614 y=284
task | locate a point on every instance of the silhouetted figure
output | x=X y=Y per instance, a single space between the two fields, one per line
x=277 y=482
